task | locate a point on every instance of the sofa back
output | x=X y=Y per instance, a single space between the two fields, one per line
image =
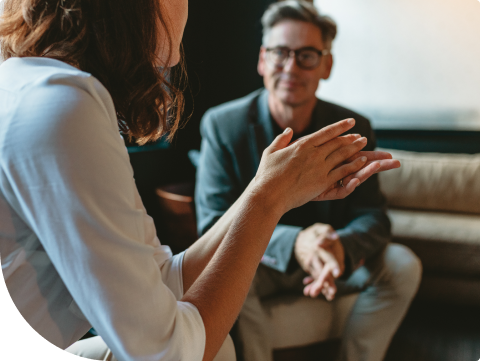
x=433 y=181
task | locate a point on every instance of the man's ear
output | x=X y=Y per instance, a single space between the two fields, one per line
x=328 y=66
x=261 y=62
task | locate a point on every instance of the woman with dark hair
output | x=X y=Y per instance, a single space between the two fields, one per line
x=78 y=249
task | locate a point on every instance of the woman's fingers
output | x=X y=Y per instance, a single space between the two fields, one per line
x=328 y=133
x=363 y=174
x=353 y=180
x=280 y=142
x=370 y=168
x=347 y=169
x=312 y=167
x=371 y=156
x=336 y=192
x=332 y=145
x=388 y=164
x=343 y=153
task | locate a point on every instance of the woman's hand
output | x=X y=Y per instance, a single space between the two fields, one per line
x=376 y=162
x=292 y=175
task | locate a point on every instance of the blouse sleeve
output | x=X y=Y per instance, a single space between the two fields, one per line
x=73 y=184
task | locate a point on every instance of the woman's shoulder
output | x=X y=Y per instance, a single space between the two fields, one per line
x=49 y=100
x=20 y=75
x=45 y=85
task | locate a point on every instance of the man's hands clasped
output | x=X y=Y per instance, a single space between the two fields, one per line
x=320 y=253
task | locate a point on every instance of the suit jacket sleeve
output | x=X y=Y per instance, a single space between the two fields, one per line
x=367 y=229
x=216 y=186
x=221 y=180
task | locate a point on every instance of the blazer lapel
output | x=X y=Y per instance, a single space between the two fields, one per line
x=260 y=123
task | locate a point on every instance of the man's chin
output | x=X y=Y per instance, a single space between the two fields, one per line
x=291 y=99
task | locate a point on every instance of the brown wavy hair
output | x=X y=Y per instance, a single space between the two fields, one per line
x=114 y=40
x=302 y=11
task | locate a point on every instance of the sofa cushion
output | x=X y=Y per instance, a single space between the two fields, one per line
x=447 y=243
x=433 y=181
x=298 y=321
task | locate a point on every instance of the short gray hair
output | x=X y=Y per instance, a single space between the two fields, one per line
x=300 y=11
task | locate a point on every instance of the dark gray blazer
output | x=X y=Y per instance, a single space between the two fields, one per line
x=234 y=136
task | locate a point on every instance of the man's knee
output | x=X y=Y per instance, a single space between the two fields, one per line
x=403 y=269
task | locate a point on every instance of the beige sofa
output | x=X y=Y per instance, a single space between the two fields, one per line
x=434 y=206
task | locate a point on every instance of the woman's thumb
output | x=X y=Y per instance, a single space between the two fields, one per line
x=281 y=141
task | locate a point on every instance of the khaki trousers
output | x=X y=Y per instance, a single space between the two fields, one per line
x=95 y=348
x=386 y=286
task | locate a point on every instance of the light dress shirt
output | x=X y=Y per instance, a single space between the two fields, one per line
x=76 y=245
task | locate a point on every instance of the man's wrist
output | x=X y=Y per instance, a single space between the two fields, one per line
x=303 y=250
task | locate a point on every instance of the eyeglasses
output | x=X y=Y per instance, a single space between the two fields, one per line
x=307 y=58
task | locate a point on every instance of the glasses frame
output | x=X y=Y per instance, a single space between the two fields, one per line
x=296 y=53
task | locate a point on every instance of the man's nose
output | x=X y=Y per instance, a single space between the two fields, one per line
x=291 y=63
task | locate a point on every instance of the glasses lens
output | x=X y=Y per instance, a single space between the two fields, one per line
x=277 y=56
x=308 y=59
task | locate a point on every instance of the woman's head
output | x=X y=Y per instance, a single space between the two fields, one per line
x=121 y=42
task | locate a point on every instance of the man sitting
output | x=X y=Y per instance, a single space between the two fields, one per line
x=334 y=247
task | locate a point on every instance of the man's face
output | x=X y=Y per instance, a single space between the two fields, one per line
x=291 y=84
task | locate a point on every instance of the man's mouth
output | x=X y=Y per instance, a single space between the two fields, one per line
x=289 y=83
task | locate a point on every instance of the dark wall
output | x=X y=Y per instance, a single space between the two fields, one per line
x=440 y=141
x=221 y=43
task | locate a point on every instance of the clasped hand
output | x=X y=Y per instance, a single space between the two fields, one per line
x=320 y=253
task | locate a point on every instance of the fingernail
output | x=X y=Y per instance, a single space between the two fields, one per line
x=336 y=272
x=286 y=131
x=363 y=140
x=351 y=121
x=363 y=159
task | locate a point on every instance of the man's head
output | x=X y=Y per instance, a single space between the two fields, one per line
x=293 y=77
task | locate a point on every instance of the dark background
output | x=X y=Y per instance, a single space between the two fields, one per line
x=221 y=43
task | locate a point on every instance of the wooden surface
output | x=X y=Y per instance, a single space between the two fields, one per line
x=177 y=212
